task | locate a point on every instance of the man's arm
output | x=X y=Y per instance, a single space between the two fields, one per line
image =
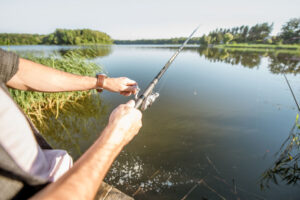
x=37 y=77
x=84 y=178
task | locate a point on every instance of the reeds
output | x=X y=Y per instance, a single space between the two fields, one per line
x=35 y=103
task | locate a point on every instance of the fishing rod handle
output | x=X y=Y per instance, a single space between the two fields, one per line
x=138 y=103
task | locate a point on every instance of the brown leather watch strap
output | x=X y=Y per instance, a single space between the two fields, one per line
x=100 y=81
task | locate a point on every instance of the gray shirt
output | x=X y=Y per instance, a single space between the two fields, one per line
x=17 y=135
x=9 y=63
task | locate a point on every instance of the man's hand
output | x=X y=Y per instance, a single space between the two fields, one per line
x=123 y=85
x=124 y=123
x=84 y=178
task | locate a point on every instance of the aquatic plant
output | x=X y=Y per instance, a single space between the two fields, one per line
x=286 y=167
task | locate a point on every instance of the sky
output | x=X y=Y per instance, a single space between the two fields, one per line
x=142 y=19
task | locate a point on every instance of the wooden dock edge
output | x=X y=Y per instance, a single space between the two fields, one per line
x=108 y=192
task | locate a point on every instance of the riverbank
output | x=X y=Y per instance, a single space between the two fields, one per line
x=58 y=37
x=259 y=47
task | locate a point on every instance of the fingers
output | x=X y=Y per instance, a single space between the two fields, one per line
x=123 y=85
x=130 y=82
x=131 y=86
x=131 y=104
x=125 y=93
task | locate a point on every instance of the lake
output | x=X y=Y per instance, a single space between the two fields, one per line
x=220 y=119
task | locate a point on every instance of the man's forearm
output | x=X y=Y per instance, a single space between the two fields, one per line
x=83 y=179
x=34 y=76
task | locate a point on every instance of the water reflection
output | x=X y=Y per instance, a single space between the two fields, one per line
x=247 y=59
x=77 y=125
x=279 y=62
x=285 y=63
x=88 y=52
x=285 y=168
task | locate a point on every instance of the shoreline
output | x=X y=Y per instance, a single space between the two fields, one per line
x=294 y=47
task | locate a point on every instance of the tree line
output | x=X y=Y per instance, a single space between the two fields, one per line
x=58 y=37
x=258 y=34
x=179 y=40
x=242 y=34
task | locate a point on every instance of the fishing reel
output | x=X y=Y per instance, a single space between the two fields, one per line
x=149 y=100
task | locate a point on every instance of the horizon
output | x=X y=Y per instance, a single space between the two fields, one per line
x=136 y=20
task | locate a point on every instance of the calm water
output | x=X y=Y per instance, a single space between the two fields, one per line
x=220 y=118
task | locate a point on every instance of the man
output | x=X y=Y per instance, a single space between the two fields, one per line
x=35 y=167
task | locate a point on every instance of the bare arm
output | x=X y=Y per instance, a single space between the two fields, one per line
x=37 y=77
x=84 y=178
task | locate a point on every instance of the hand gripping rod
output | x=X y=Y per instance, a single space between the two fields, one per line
x=151 y=86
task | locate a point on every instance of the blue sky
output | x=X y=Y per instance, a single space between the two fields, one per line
x=136 y=19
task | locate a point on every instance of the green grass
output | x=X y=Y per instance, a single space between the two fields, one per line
x=35 y=103
x=294 y=47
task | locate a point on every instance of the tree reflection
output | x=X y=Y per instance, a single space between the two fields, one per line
x=285 y=63
x=279 y=62
x=89 y=52
x=285 y=169
x=76 y=126
x=286 y=165
x=247 y=59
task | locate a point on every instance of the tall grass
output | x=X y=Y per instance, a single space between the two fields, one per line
x=35 y=103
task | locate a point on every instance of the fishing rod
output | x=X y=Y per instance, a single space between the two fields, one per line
x=148 y=97
x=287 y=81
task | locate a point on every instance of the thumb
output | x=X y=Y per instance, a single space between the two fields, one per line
x=131 y=103
x=130 y=82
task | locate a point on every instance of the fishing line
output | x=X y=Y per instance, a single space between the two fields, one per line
x=162 y=84
x=148 y=97
x=288 y=83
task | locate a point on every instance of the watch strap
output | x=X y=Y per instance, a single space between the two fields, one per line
x=100 y=81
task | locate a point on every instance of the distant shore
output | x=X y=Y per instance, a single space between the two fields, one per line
x=260 y=46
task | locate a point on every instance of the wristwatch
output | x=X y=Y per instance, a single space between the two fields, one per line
x=100 y=80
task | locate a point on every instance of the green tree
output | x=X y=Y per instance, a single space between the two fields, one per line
x=290 y=31
x=269 y=41
x=259 y=32
x=228 y=37
x=77 y=40
x=207 y=40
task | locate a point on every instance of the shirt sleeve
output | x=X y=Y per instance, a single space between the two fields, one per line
x=9 y=64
